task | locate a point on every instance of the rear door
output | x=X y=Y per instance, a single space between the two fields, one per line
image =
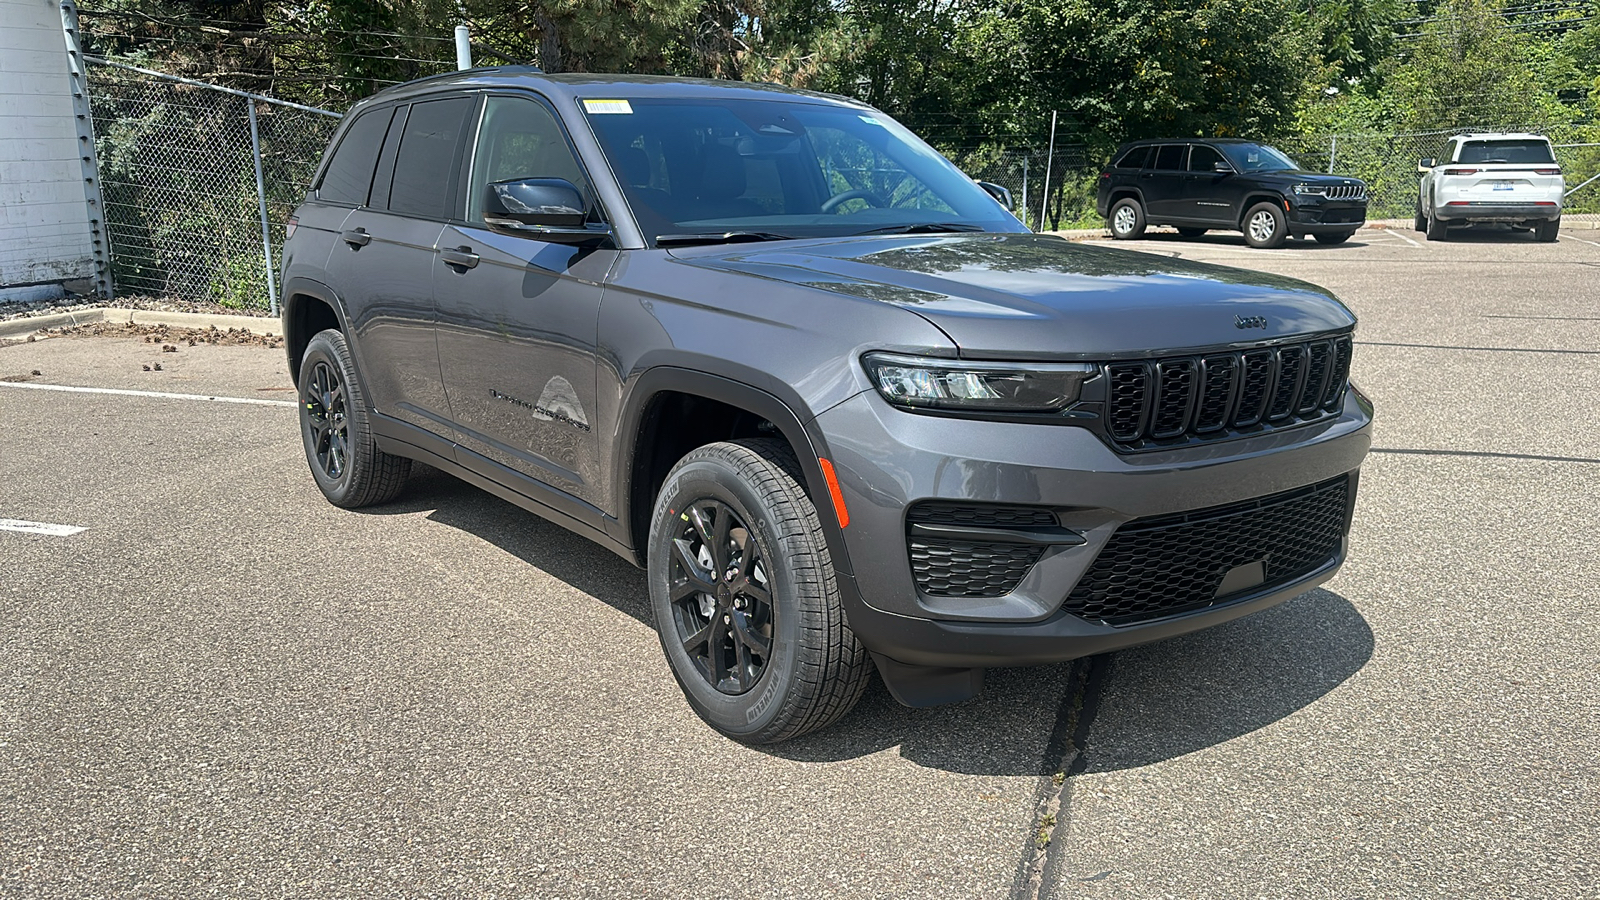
x=383 y=262
x=1162 y=182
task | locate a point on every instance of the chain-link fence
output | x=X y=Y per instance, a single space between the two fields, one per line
x=198 y=182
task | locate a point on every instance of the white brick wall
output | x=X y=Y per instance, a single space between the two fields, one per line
x=44 y=220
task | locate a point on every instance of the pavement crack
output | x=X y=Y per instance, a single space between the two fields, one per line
x=1063 y=759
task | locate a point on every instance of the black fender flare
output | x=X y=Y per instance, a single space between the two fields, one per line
x=1260 y=196
x=293 y=290
x=800 y=431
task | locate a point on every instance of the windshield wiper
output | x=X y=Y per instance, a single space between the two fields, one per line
x=921 y=228
x=721 y=237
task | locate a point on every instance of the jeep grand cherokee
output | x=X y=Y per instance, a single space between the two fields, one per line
x=845 y=410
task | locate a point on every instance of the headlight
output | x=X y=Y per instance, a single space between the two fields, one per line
x=927 y=383
x=1312 y=190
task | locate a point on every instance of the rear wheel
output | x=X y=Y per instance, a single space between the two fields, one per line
x=348 y=467
x=1127 y=219
x=744 y=596
x=1547 y=231
x=1334 y=238
x=1266 y=226
x=1437 y=230
x=1421 y=223
x=1192 y=232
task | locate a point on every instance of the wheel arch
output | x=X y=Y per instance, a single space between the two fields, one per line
x=1260 y=196
x=659 y=392
x=308 y=307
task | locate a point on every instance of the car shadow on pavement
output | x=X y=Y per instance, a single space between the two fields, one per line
x=1229 y=239
x=1005 y=731
x=1166 y=700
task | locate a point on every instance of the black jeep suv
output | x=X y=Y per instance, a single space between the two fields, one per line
x=844 y=408
x=1198 y=185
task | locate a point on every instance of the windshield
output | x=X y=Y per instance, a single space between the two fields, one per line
x=1506 y=152
x=781 y=168
x=1258 y=158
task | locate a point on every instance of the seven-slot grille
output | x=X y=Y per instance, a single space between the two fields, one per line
x=1149 y=402
x=1158 y=566
x=1345 y=192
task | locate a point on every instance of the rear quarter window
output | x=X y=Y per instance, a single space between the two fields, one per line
x=348 y=178
x=1133 y=159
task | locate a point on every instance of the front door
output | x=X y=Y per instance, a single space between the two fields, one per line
x=1208 y=196
x=519 y=318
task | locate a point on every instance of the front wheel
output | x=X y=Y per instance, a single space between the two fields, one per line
x=1127 y=219
x=1546 y=231
x=345 y=460
x=744 y=597
x=1334 y=238
x=1266 y=226
x=1421 y=224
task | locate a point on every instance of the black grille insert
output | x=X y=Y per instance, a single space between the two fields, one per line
x=1156 y=403
x=969 y=566
x=1155 y=567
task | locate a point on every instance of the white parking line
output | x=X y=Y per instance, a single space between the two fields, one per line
x=160 y=395
x=39 y=527
x=1581 y=240
x=1404 y=238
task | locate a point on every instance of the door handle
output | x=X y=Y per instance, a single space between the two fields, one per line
x=459 y=257
x=357 y=238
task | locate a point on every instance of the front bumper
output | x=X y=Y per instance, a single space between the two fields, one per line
x=1491 y=211
x=1308 y=216
x=888 y=460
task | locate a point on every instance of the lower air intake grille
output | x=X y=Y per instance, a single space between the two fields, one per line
x=1154 y=567
x=970 y=568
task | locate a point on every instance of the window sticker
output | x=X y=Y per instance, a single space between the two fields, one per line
x=607 y=107
x=870 y=121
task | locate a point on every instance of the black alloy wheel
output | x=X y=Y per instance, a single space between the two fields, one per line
x=721 y=597
x=324 y=399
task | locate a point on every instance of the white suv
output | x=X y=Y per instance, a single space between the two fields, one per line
x=1510 y=178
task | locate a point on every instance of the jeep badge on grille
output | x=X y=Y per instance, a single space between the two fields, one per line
x=1249 y=321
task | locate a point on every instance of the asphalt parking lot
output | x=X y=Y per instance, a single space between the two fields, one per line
x=225 y=686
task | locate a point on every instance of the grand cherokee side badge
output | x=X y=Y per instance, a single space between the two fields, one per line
x=1249 y=321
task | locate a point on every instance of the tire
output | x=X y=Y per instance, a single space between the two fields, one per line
x=336 y=430
x=1192 y=232
x=1545 y=232
x=1334 y=237
x=1437 y=230
x=1265 y=226
x=1421 y=223
x=814 y=669
x=1126 y=220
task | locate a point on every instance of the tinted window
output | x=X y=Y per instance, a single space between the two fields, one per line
x=427 y=150
x=349 y=174
x=1506 y=152
x=520 y=138
x=1134 y=159
x=1170 y=157
x=1257 y=158
x=1203 y=158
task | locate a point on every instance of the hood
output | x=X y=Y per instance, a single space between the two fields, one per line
x=1028 y=296
x=1300 y=176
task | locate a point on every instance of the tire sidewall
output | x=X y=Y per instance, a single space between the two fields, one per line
x=758 y=709
x=329 y=347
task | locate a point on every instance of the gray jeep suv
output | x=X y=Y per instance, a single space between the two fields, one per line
x=845 y=410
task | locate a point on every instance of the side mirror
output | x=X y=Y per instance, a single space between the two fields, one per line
x=546 y=209
x=998 y=193
x=1424 y=165
x=1222 y=167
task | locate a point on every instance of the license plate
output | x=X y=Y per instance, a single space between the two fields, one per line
x=1504 y=185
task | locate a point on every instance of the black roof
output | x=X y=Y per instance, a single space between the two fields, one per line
x=601 y=86
x=1190 y=140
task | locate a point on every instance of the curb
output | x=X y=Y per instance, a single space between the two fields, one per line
x=15 y=328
